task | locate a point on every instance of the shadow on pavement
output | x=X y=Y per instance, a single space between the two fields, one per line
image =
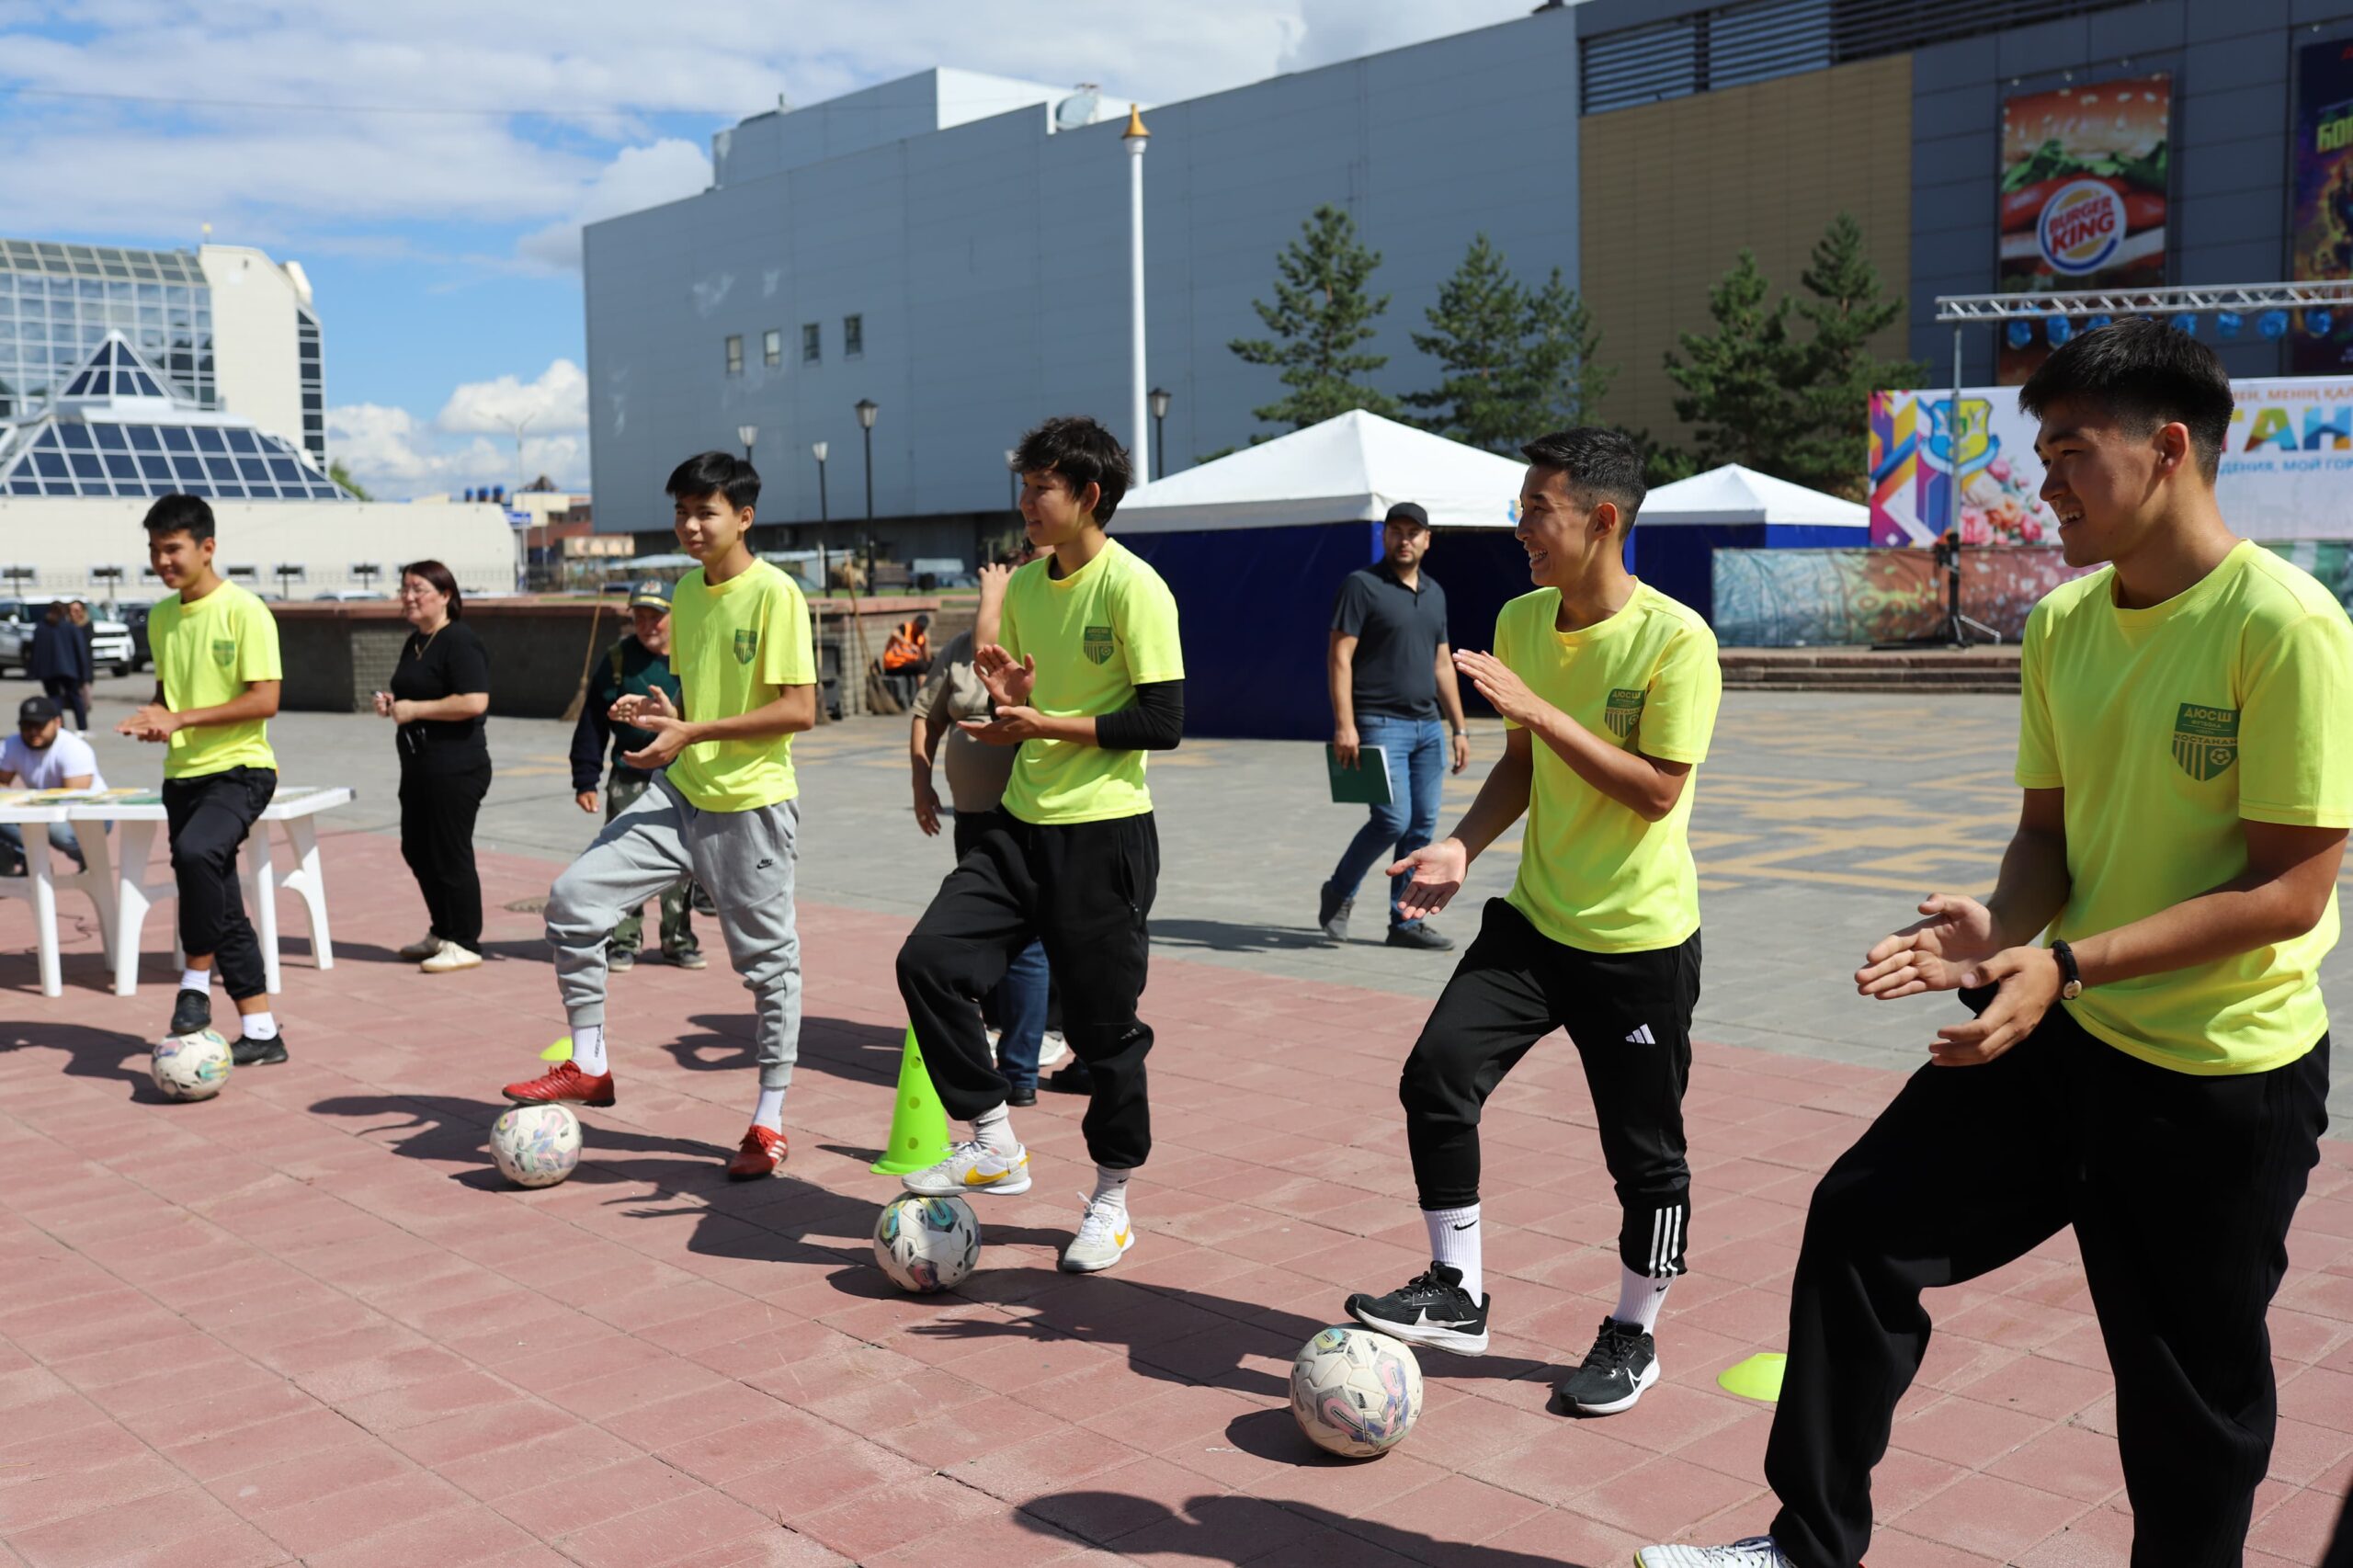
x=866 y=1054
x=1231 y=937
x=1236 y=1529
x=91 y=1053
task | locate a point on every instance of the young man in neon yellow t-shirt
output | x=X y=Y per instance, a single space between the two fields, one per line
x=217 y=678
x=725 y=807
x=2156 y=1074
x=1609 y=689
x=1088 y=677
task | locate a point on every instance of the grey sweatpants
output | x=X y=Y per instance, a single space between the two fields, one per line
x=743 y=859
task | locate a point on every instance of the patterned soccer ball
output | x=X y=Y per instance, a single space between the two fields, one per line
x=191 y=1066
x=926 y=1244
x=1354 y=1393
x=536 y=1145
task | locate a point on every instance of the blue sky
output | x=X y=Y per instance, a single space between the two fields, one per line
x=429 y=163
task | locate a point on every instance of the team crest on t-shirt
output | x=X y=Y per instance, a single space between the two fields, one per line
x=2206 y=740
x=224 y=652
x=1624 y=711
x=747 y=644
x=1097 y=644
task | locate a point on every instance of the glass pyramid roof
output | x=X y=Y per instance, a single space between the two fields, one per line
x=115 y=370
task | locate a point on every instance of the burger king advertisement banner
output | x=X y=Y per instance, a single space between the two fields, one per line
x=2085 y=173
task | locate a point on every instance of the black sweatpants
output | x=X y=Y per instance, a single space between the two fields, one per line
x=439 y=805
x=1629 y=1016
x=208 y=818
x=66 y=692
x=1085 y=889
x=2180 y=1189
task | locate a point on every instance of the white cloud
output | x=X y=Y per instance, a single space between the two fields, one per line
x=556 y=400
x=398 y=456
x=638 y=179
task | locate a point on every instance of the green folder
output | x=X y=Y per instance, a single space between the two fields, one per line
x=1366 y=784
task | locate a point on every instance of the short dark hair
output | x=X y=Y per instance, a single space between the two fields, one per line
x=1601 y=465
x=722 y=472
x=176 y=513
x=1083 y=453
x=2142 y=373
x=439 y=575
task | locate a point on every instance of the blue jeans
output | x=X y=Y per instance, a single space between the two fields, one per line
x=60 y=837
x=1016 y=1007
x=1416 y=749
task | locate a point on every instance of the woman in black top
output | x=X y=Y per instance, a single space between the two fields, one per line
x=440 y=691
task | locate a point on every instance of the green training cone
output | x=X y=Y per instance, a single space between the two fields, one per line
x=1759 y=1377
x=559 y=1052
x=918 y=1127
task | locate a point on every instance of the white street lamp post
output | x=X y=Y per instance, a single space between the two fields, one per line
x=1136 y=137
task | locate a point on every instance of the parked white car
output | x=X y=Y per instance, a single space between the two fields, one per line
x=110 y=645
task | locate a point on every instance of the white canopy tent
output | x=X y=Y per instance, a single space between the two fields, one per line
x=1736 y=496
x=1349 y=469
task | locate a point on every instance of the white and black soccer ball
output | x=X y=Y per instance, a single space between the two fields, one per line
x=536 y=1145
x=191 y=1066
x=926 y=1244
x=1354 y=1393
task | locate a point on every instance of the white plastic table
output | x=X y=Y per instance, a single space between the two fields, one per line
x=35 y=811
x=127 y=896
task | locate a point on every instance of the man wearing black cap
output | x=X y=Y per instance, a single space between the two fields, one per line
x=1391 y=674
x=637 y=665
x=42 y=754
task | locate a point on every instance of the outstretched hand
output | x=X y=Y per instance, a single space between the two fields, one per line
x=2025 y=982
x=1437 y=872
x=1500 y=685
x=1008 y=684
x=635 y=710
x=1931 y=954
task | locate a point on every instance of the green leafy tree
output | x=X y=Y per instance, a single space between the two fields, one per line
x=1477 y=336
x=1321 y=320
x=1737 y=380
x=1840 y=372
x=1565 y=377
x=342 y=476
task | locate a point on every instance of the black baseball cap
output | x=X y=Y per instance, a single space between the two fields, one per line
x=35 y=710
x=1409 y=512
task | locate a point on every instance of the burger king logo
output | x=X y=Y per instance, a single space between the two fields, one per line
x=2081 y=226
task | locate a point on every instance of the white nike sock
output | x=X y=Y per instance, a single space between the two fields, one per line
x=196 y=980
x=769 y=1112
x=1111 y=1187
x=993 y=1128
x=1640 y=1298
x=588 y=1048
x=1454 y=1241
x=260 y=1026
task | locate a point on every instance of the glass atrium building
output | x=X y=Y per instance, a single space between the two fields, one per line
x=59 y=301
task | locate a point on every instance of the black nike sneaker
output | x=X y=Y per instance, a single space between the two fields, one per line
x=1621 y=1364
x=1430 y=1309
x=192 y=1014
x=259 y=1053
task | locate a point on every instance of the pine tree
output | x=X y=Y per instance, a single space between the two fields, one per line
x=1739 y=381
x=1321 y=318
x=1477 y=335
x=1566 y=381
x=1839 y=370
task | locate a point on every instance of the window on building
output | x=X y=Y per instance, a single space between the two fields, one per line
x=772 y=347
x=812 y=345
x=734 y=356
x=853 y=337
x=245 y=573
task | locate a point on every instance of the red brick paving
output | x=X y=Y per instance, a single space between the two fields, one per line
x=306 y=1323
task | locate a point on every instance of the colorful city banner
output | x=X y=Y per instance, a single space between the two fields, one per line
x=2287 y=470
x=2082 y=194
x=2321 y=169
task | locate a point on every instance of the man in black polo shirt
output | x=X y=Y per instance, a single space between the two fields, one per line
x=1390 y=673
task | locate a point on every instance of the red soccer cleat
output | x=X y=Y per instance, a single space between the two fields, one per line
x=561 y=1084
x=762 y=1156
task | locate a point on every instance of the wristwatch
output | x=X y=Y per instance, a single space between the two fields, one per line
x=2071 y=980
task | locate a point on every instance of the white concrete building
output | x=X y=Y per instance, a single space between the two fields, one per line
x=268 y=353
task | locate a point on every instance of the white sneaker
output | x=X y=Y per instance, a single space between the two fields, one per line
x=451 y=957
x=1756 y=1551
x=424 y=947
x=973 y=1168
x=1051 y=1048
x=994 y=1036
x=1104 y=1236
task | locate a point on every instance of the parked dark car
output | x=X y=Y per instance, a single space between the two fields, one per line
x=135 y=617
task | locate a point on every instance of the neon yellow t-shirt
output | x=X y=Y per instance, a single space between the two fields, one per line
x=2167 y=726
x=734 y=648
x=1593 y=874
x=1096 y=634
x=206 y=654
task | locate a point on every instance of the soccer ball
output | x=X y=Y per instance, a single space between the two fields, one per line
x=191 y=1066
x=1354 y=1393
x=536 y=1145
x=926 y=1244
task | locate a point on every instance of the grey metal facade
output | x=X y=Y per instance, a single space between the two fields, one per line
x=987 y=266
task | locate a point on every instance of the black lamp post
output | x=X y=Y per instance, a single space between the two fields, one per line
x=866 y=409
x=747 y=434
x=1159 y=398
x=1013 y=478
x=824 y=516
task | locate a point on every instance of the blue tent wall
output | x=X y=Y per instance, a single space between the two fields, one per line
x=1678 y=558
